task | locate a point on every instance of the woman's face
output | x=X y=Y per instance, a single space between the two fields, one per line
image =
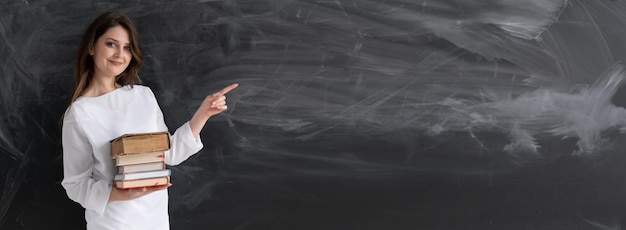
x=111 y=53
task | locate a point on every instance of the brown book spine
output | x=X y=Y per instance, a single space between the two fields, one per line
x=140 y=143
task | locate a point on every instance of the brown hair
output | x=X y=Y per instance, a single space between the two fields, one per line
x=84 y=69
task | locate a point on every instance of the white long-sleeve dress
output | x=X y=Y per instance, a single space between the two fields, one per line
x=88 y=126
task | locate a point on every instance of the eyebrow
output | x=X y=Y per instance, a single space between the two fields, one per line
x=116 y=41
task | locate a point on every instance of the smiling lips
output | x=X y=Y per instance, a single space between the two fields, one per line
x=116 y=63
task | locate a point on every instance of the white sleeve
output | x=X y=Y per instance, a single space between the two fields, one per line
x=78 y=163
x=184 y=145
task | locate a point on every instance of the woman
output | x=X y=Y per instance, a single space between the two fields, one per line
x=107 y=103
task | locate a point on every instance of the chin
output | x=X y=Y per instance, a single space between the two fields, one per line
x=117 y=73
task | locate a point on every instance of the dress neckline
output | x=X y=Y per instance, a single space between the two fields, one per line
x=104 y=95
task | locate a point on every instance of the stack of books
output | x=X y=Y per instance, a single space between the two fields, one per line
x=140 y=159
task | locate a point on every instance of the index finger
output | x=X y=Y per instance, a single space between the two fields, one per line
x=227 y=89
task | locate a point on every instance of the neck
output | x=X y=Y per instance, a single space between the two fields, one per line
x=100 y=86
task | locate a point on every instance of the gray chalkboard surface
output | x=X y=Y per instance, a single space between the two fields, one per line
x=350 y=114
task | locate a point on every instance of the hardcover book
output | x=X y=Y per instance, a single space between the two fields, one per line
x=122 y=169
x=124 y=184
x=142 y=175
x=140 y=143
x=139 y=158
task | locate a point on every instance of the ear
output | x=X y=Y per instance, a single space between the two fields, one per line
x=91 y=51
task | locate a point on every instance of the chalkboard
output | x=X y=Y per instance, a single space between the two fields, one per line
x=350 y=114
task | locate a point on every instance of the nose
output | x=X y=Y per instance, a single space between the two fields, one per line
x=118 y=52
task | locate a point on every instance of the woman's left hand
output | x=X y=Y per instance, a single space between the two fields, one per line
x=211 y=105
x=215 y=103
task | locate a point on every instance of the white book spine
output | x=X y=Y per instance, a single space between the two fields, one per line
x=143 y=175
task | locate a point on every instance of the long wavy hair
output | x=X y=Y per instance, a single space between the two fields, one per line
x=84 y=69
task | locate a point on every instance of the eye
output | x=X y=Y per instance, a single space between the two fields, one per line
x=110 y=44
x=127 y=48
